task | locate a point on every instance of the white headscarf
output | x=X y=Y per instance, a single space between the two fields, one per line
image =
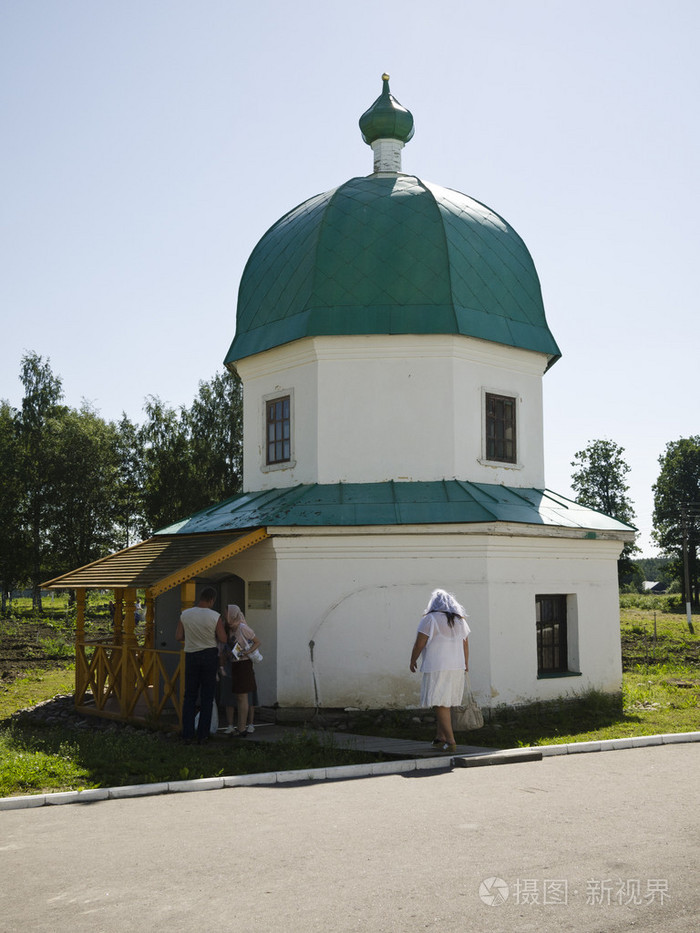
x=442 y=601
x=234 y=614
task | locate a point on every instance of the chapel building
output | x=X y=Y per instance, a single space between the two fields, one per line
x=392 y=342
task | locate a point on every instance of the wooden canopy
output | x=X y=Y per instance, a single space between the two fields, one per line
x=160 y=563
x=121 y=679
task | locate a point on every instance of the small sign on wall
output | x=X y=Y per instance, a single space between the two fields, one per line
x=260 y=594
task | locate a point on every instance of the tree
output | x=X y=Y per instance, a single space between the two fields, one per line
x=215 y=422
x=13 y=542
x=192 y=457
x=170 y=489
x=599 y=482
x=73 y=487
x=81 y=514
x=128 y=502
x=37 y=424
x=657 y=569
x=677 y=509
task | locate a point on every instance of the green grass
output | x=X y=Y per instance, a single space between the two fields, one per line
x=57 y=612
x=42 y=760
x=667 y=602
x=650 y=703
x=38 y=758
x=39 y=686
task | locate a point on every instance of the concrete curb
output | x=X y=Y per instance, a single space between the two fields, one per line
x=344 y=772
x=506 y=757
x=608 y=745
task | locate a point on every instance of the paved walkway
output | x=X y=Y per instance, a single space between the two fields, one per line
x=373 y=744
x=574 y=843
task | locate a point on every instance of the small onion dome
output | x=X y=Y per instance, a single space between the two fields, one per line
x=386 y=118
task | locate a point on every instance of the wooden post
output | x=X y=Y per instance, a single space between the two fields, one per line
x=149 y=639
x=118 y=615
x=130 y=617
x=80 y=615
x=188 y=592
x=149 y=656
x=79 y=644
x=129 y=642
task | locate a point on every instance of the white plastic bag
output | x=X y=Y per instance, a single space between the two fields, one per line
x=467 y=717
x=214 y=727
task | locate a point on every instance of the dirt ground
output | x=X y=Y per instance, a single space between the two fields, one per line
x=636 y=650
x=27 y=646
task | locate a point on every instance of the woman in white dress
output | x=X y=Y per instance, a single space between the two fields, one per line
x=443 y=640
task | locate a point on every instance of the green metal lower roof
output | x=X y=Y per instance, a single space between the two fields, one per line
x=392 y=503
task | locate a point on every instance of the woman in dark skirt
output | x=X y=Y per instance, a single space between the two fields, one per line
x=236 y=669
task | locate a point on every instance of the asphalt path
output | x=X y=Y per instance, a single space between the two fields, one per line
x=589 y=842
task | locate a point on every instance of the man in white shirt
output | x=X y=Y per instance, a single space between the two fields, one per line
x=201 y=629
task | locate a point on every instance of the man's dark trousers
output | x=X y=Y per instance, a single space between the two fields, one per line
x=200 y=678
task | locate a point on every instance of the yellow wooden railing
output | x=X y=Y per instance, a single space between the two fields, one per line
x=129 y=682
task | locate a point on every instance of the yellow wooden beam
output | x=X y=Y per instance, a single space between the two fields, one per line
x=130 y=616
x=149 y=640
x=211 y=560
x=80 y=615
x=188 y=591
x=118 y=615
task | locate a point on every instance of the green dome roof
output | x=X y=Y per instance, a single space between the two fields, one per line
x=390 y=255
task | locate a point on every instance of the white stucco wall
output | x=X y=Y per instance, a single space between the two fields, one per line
x=376 y=408
x=584 y=570
x=359 y=595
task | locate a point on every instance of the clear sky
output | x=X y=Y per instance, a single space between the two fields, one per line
x=148 y=144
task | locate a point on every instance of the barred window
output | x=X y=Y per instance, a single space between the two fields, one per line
x=552 y=647
x=500 y=428
x=278 y=431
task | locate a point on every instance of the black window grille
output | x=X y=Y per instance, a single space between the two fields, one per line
x=279 y=431
x=552 y=651
x=500 y=428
